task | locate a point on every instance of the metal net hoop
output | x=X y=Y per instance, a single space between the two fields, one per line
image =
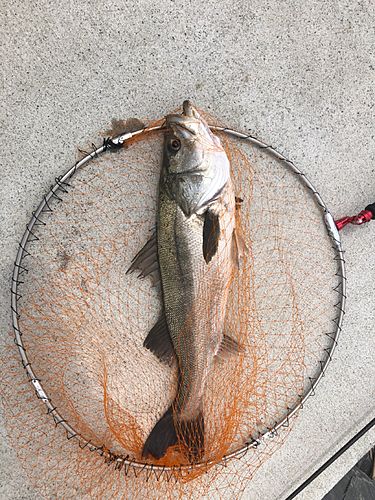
x=20 y=270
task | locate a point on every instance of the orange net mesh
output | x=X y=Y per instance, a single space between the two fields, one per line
x=84 y=321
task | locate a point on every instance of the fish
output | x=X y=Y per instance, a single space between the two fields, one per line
x=191 y=255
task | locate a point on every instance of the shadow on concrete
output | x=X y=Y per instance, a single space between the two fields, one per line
x=358 y=483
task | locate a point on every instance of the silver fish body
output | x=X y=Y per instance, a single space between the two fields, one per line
x=197 y=249
x=194 y=291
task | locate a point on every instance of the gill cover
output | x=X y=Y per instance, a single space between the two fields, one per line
x=196 y=167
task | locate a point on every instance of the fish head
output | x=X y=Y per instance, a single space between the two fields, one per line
x=196 y=167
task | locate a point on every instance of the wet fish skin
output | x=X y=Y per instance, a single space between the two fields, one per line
x=194 y=293
x=195 y=246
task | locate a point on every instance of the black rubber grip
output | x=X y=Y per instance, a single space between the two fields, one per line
x=371 y=208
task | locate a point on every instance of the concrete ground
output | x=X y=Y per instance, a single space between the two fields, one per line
x=299 y=75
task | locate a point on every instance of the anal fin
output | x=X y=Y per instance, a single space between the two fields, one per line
x=159 y=342
x=228 y=347
x=146 y=261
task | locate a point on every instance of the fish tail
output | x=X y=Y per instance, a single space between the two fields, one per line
x=192 y=437
x=162 y=436
x=169 y=431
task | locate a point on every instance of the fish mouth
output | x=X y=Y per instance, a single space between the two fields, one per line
x=190 y=126
x=185 y=125
x=188 y=108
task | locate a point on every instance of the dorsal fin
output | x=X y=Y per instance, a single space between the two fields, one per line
x=239 y=248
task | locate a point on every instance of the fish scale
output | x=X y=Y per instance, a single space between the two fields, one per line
x=194 y=294
x=192 y=256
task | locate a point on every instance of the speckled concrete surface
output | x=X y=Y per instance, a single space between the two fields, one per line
x=299 y=76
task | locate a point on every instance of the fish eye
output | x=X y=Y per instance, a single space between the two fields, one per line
x=175 y=144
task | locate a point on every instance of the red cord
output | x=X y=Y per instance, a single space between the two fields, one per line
x=361 y=218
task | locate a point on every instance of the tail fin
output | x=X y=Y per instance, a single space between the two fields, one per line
x=165 y=434
x=162 y=436
x=192 y=436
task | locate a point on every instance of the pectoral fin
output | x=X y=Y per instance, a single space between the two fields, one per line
x=228 y=347
x=211 y=234
x=146 y=261
x=159 y=342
